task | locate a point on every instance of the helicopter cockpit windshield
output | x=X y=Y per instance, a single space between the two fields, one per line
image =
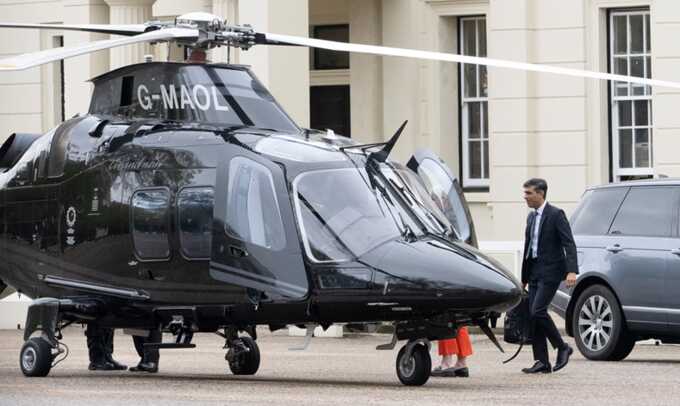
x=196 y=93
x=342 y=216
x=420 y=201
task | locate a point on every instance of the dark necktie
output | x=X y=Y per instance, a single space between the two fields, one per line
x=532 y=230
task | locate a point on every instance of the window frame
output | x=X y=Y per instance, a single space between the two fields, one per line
x=168 y=220
x=579 y=209
x=463 y=107
x=315 y=52
x=179 y=221
x=619 y=173
x=674 y=211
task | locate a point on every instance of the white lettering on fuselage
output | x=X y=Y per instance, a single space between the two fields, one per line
x=196 y=97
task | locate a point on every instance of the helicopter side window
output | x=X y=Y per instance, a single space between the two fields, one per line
x=195 y=212
x=150 y=224
x=253 y=214
x=444 y=192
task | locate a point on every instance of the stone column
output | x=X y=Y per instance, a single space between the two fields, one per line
x=512 y=146
x=366 y=91
x=129 y=12
x=227 y=10
x=403 y=77
x=284 y=70
x=81 y=68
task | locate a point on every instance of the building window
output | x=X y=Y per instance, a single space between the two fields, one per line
x=151 y=223
x=630 y=108
x=195 y=212
x=329 y=95
x=330 y=109
x=325 y=59
x=474 y=104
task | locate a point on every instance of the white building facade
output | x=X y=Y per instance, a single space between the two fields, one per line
x=495 y=127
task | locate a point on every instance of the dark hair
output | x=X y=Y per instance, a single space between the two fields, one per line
x=538 y=184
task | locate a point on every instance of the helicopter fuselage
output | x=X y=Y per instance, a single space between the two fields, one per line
x=235 y=224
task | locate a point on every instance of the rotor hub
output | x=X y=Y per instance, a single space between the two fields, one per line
x=201 y=21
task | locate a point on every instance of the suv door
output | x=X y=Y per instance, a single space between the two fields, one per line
x=638 y=245
x=672 y=285
x=443 y=186
x=255 y=241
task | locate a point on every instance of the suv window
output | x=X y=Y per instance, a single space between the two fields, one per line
x=647 y=211
x=597 y=210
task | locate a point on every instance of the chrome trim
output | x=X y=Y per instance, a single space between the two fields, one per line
x=568 y=297
x=651 y=309
x=79 y=285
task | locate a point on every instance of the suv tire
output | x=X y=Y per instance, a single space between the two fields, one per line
x=599 y=328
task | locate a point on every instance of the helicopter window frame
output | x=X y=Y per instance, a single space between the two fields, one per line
x=186 y=255
x=280 y=241
x=167 y=216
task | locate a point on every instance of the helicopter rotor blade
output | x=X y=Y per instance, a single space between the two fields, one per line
x=116 y=29
x=29 y=60
x=278 y=39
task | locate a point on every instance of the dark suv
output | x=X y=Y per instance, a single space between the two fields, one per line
x=629 y=263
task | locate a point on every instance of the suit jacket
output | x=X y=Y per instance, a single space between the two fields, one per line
x=556 y=247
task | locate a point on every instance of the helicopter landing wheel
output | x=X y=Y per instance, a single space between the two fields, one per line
x=414 y=369
x=36 y=357
x=243 y=356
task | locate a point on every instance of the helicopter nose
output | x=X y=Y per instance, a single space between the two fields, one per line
x=446 y=275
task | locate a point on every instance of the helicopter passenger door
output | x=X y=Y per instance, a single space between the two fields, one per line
x=255 y=241
x=445 y=189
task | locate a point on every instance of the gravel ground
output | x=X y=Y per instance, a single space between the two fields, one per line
x=346 y=371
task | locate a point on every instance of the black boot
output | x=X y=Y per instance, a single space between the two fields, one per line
x=101 y=366
x=117 y=366
x=150 y=367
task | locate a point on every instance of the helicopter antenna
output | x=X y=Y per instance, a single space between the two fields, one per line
x=381 y=156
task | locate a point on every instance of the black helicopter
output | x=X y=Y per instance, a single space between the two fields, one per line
x=187 y=199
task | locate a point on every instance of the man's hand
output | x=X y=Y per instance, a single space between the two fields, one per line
x=571 y=279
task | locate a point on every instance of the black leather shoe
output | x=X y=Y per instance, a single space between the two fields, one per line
x=117 y=366
x=150 y=367
x=538 y=367
x=463 y=372
x=101 y=366
x=563 y=355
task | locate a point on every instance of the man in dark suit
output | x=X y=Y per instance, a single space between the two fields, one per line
x=549 y=258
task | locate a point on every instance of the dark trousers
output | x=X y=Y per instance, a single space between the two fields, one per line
x=148 y=354
x=99 y=343
x=541 y=294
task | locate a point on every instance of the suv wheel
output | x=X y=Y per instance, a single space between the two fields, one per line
x=599 y=329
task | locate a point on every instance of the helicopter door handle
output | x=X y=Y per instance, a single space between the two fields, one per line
x=614 y=248
x=237 y=252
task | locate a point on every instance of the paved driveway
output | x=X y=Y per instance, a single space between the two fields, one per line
x=344 y=371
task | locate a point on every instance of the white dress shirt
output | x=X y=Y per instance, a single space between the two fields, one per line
x=537 y=226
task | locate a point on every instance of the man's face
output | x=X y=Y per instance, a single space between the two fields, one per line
x=533 y=197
